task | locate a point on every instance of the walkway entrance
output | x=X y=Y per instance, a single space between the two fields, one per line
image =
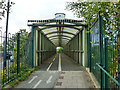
x=67 y=33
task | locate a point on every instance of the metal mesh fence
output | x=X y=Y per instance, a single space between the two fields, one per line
x=104 y=55
x=14 y=65
x=95 y=51
x=113 y=61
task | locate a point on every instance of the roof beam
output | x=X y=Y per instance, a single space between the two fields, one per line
x=56 y=25
x=60 y=32
x=59 y=36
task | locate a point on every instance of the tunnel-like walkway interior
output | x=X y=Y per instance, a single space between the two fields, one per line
x=67 y=33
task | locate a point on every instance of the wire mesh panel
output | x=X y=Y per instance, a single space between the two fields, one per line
x=25 y=52
x=113 y=61
x=7 y=61
x=95 y=50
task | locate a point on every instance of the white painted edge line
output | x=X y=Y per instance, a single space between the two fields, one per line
x=59 y=66
x=32 y=79
x=37 y=83
x=49 y=66
x=49 y=80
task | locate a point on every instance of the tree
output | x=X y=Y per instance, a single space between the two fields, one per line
x=89 y=11
x=3 y=8
x=2 y=12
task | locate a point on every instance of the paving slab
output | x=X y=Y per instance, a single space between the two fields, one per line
x=75 y=79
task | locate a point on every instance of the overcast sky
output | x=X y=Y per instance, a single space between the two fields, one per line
x=24 y=10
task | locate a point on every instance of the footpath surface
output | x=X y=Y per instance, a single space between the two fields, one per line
x=59 y=72
x=73 y=75
x=74 y=79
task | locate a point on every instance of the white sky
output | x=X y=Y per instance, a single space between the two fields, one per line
x=24 y=10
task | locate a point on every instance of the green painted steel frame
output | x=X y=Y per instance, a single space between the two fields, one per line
x=101 y=49
x=18 y=53
x=32 y=38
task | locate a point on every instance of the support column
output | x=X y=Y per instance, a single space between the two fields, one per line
x=85 y=47
x=38 y=62
x=40 y=48
x=79 y=48
x=32 y=38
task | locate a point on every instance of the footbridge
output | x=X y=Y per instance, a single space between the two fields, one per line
x=89 y=58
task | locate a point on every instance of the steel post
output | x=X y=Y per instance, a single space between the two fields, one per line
x=101 y=49
x=32 y=38
x=106 y=62
x=18 y=53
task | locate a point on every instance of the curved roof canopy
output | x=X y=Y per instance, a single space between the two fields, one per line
x=60 y=32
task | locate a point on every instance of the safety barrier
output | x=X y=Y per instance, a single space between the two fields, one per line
x=103 y=55
x=17 y=58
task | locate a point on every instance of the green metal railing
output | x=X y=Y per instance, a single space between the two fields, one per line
x=104 y=55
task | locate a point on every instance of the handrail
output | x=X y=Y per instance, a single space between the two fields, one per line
x=108 y=74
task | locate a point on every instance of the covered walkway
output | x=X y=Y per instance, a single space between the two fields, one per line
x=88 y=55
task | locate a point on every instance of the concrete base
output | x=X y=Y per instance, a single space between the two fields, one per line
x=97 y=85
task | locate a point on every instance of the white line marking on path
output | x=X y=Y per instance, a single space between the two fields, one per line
x=49 y=80
x=32 y=79
x=59 y=66
x=49 y=66
x=37 y=83
x=53 y=59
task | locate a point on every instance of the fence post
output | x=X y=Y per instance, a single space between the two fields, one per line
x=88 y=48
x=18 y=53
x=106 y=62
x=32 y=38
x=101 y=49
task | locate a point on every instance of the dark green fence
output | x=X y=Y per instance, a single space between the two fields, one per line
x=18 y=57
x=95 y=50
x=104 y=55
